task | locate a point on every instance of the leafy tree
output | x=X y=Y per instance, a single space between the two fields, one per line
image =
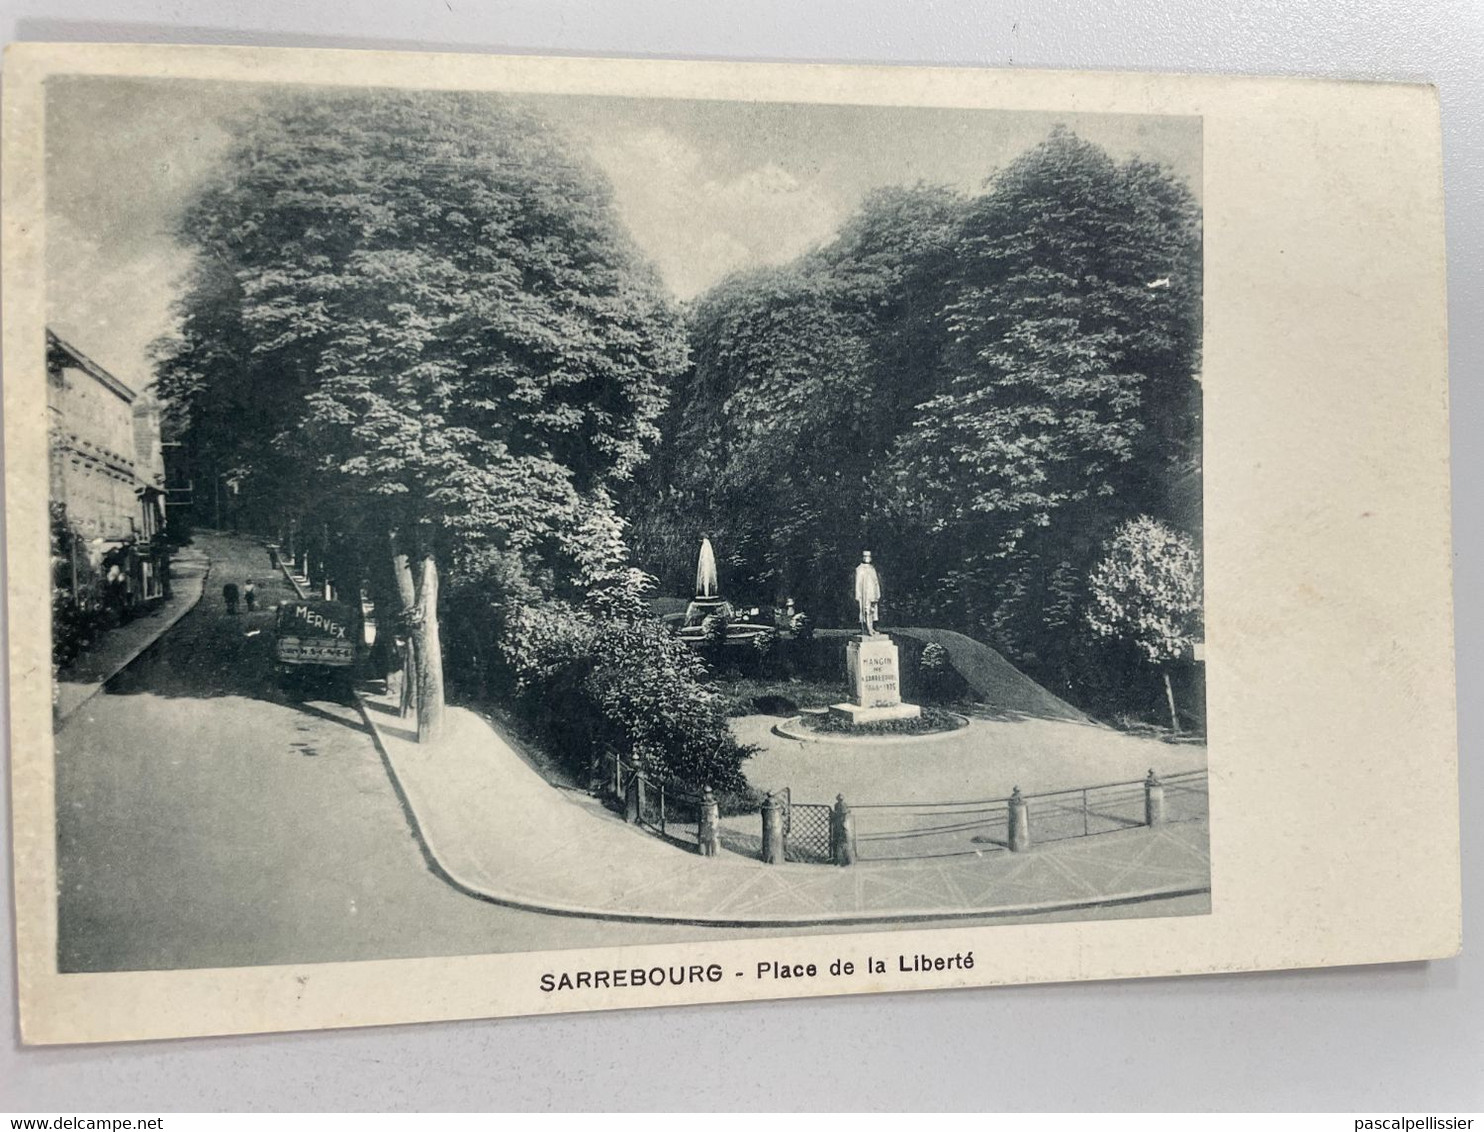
x=1067 y=401
x=802 y=377
x=414 y=315
x=1071 y=345
x=977 y=389
x=1147 y=590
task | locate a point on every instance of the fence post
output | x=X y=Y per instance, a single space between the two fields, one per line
x=842 y=833
x=633 y=795
x=1020 y=826
x=708 y=833
x=1154 y=799
x=772 y=830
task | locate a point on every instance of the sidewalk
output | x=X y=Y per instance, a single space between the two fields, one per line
x=495 y=829
x=81 y=680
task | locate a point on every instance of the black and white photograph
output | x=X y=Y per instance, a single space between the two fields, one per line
x=493 y=536
x=491 y=523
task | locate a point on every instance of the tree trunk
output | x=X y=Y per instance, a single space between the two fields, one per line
x=407 y=595
x=430 y=655
x=1170 y=696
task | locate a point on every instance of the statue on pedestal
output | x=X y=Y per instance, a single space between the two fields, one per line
x=872 y=661
x=868 y=594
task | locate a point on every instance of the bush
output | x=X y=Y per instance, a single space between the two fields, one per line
x=73 y=629
x=928 y=675
x=599 y=688
x=934 y=657
x=714 y=629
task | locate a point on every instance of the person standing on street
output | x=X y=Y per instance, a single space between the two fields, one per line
x=250 y=594
x=229 y=595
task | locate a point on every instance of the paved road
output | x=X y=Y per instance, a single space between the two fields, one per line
x=204 y=820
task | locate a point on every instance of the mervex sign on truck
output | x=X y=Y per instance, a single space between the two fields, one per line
x=314 y=634
x=318 y=620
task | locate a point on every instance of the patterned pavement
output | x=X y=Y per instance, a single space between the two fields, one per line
x=496 y=829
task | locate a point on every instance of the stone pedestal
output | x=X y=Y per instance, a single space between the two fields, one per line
x=874 y=670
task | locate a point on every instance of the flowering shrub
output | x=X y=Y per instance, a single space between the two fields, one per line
x=1147 y=589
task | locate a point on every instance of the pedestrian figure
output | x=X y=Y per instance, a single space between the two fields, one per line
x=229 y=595
x=116 y=592
x=250 y=595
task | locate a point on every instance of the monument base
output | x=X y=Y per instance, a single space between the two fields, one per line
x=875 y=683
x=857 y=715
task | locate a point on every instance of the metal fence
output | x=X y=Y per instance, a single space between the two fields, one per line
x=649 y=802
x=916 y=831
x=897 y=831
x=807 y=833
x=1187 y=796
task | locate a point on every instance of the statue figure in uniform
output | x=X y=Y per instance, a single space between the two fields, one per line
x=868 y=593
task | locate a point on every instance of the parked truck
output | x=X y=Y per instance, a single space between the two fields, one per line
x=315 y=641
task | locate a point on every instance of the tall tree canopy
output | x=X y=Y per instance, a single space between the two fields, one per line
x=424 y=300
x=977 y=389
x=802 y=378
x=1071 y=338
x=415 y=312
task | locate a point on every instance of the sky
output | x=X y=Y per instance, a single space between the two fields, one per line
x=705 y=188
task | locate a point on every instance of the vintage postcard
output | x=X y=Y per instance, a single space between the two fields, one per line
x=511 y=535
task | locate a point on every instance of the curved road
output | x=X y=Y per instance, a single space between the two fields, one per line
x=204 y=820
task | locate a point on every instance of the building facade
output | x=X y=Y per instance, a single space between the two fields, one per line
x=107 y=488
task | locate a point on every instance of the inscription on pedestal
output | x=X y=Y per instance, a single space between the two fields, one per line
x=874 y=671
x=875 y=679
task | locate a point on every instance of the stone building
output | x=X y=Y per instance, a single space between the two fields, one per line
x=107 y=485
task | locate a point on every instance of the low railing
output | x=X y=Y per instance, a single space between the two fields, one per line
x=663 y=807
x=841 y=834
x=905 y=831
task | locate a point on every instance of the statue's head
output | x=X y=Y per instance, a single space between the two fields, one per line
x=865 y=556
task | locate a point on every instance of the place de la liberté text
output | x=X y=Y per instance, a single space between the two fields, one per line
x=765 y=970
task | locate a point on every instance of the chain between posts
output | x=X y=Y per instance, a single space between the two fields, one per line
x=831 y=834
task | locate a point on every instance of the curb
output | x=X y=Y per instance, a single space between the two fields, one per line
x=818 y=919
x=291 y=580
x=59 y=718
x=793 y=728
